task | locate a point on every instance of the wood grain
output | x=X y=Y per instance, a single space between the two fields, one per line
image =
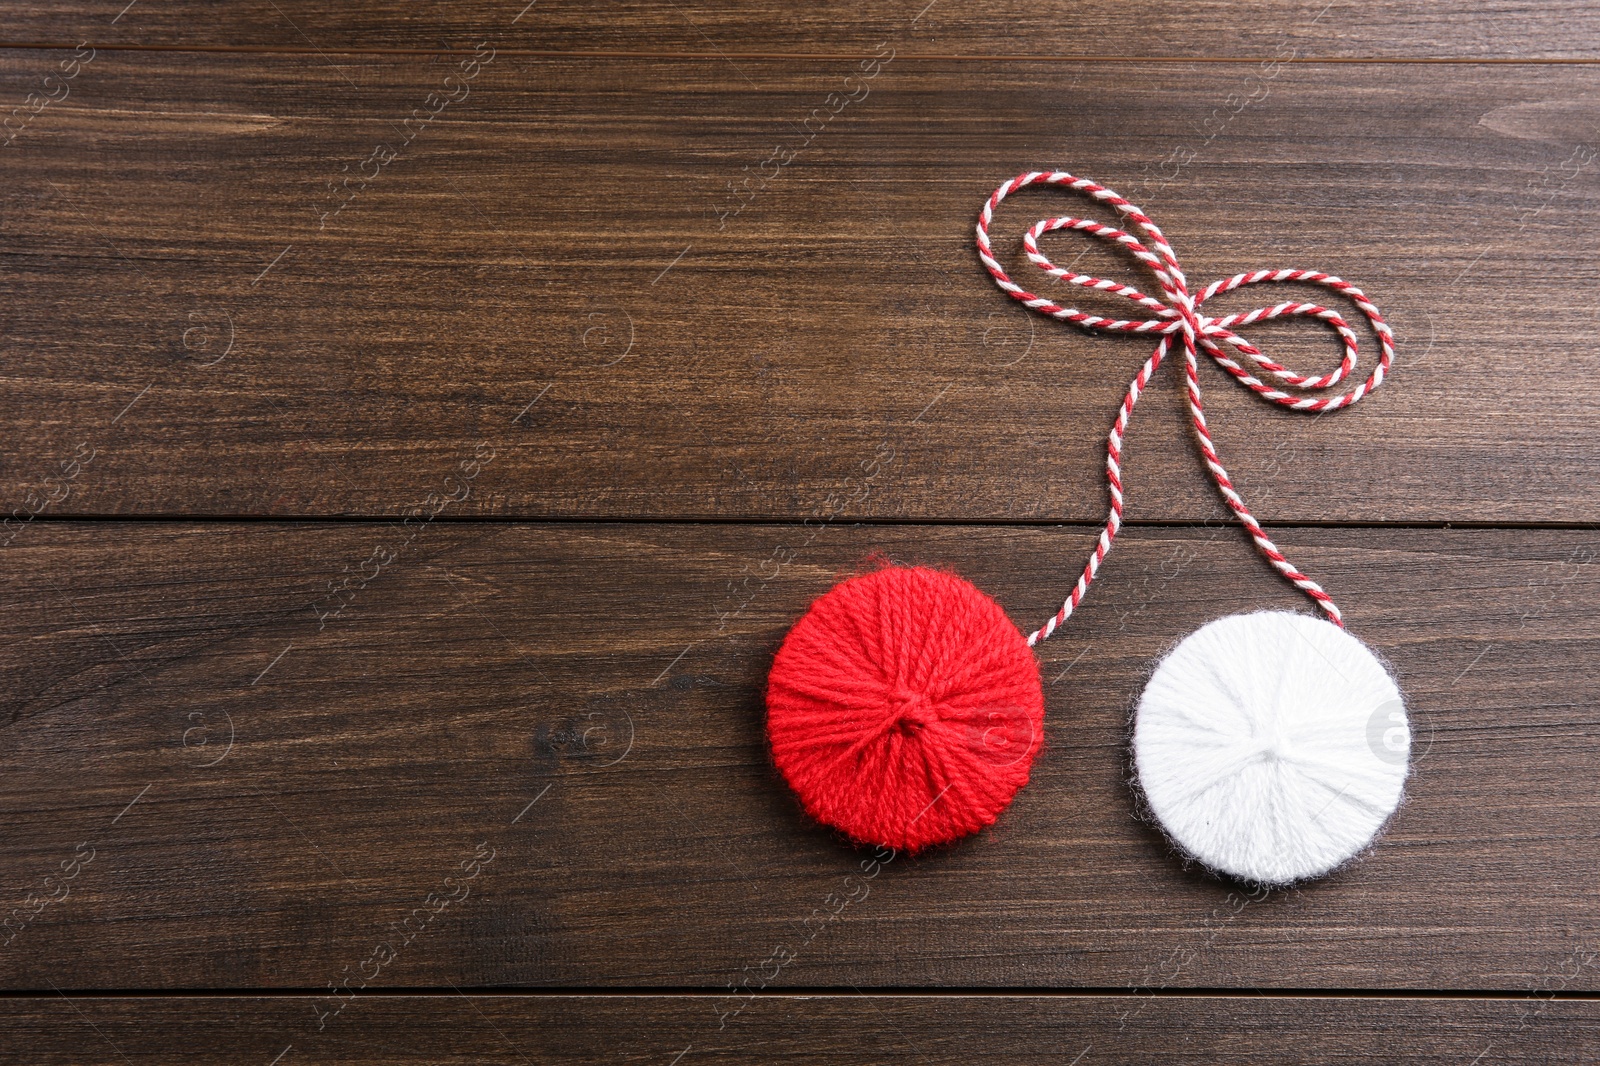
x=833 y=1029
x=245 y=797
x=542 y=269
x=620 y=383
x=1409 y=29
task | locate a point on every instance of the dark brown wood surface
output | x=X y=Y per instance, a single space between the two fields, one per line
x=827 y=1029
x=394 y=561
x=1408 y=29
x=611 y=677
x=547 y=268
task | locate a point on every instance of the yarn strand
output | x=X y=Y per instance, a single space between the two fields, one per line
x=1179 y=316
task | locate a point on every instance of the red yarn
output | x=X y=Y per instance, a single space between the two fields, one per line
x=905 y=708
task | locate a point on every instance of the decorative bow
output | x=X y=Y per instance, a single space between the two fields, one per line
x=1180 y=316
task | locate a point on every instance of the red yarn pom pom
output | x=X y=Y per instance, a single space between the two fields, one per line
x=905 y=708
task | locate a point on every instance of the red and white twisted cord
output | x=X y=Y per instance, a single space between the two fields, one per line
x=1180 y=316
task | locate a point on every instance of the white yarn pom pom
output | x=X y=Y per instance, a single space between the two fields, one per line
x=1271 y=746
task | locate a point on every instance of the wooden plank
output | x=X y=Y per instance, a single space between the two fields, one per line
x=833 y=1029
x=1410 y=29
x=543 y=270
x=227 y=792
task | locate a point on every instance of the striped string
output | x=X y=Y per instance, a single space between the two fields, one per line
x=1179 y=316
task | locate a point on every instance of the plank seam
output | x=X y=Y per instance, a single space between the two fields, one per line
x=976 y=57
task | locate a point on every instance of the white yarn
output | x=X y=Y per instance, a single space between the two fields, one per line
x=1271 y=746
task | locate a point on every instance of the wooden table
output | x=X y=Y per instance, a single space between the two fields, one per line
x=423 y=421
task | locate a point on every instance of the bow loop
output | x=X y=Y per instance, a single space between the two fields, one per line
x=1178 y=316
